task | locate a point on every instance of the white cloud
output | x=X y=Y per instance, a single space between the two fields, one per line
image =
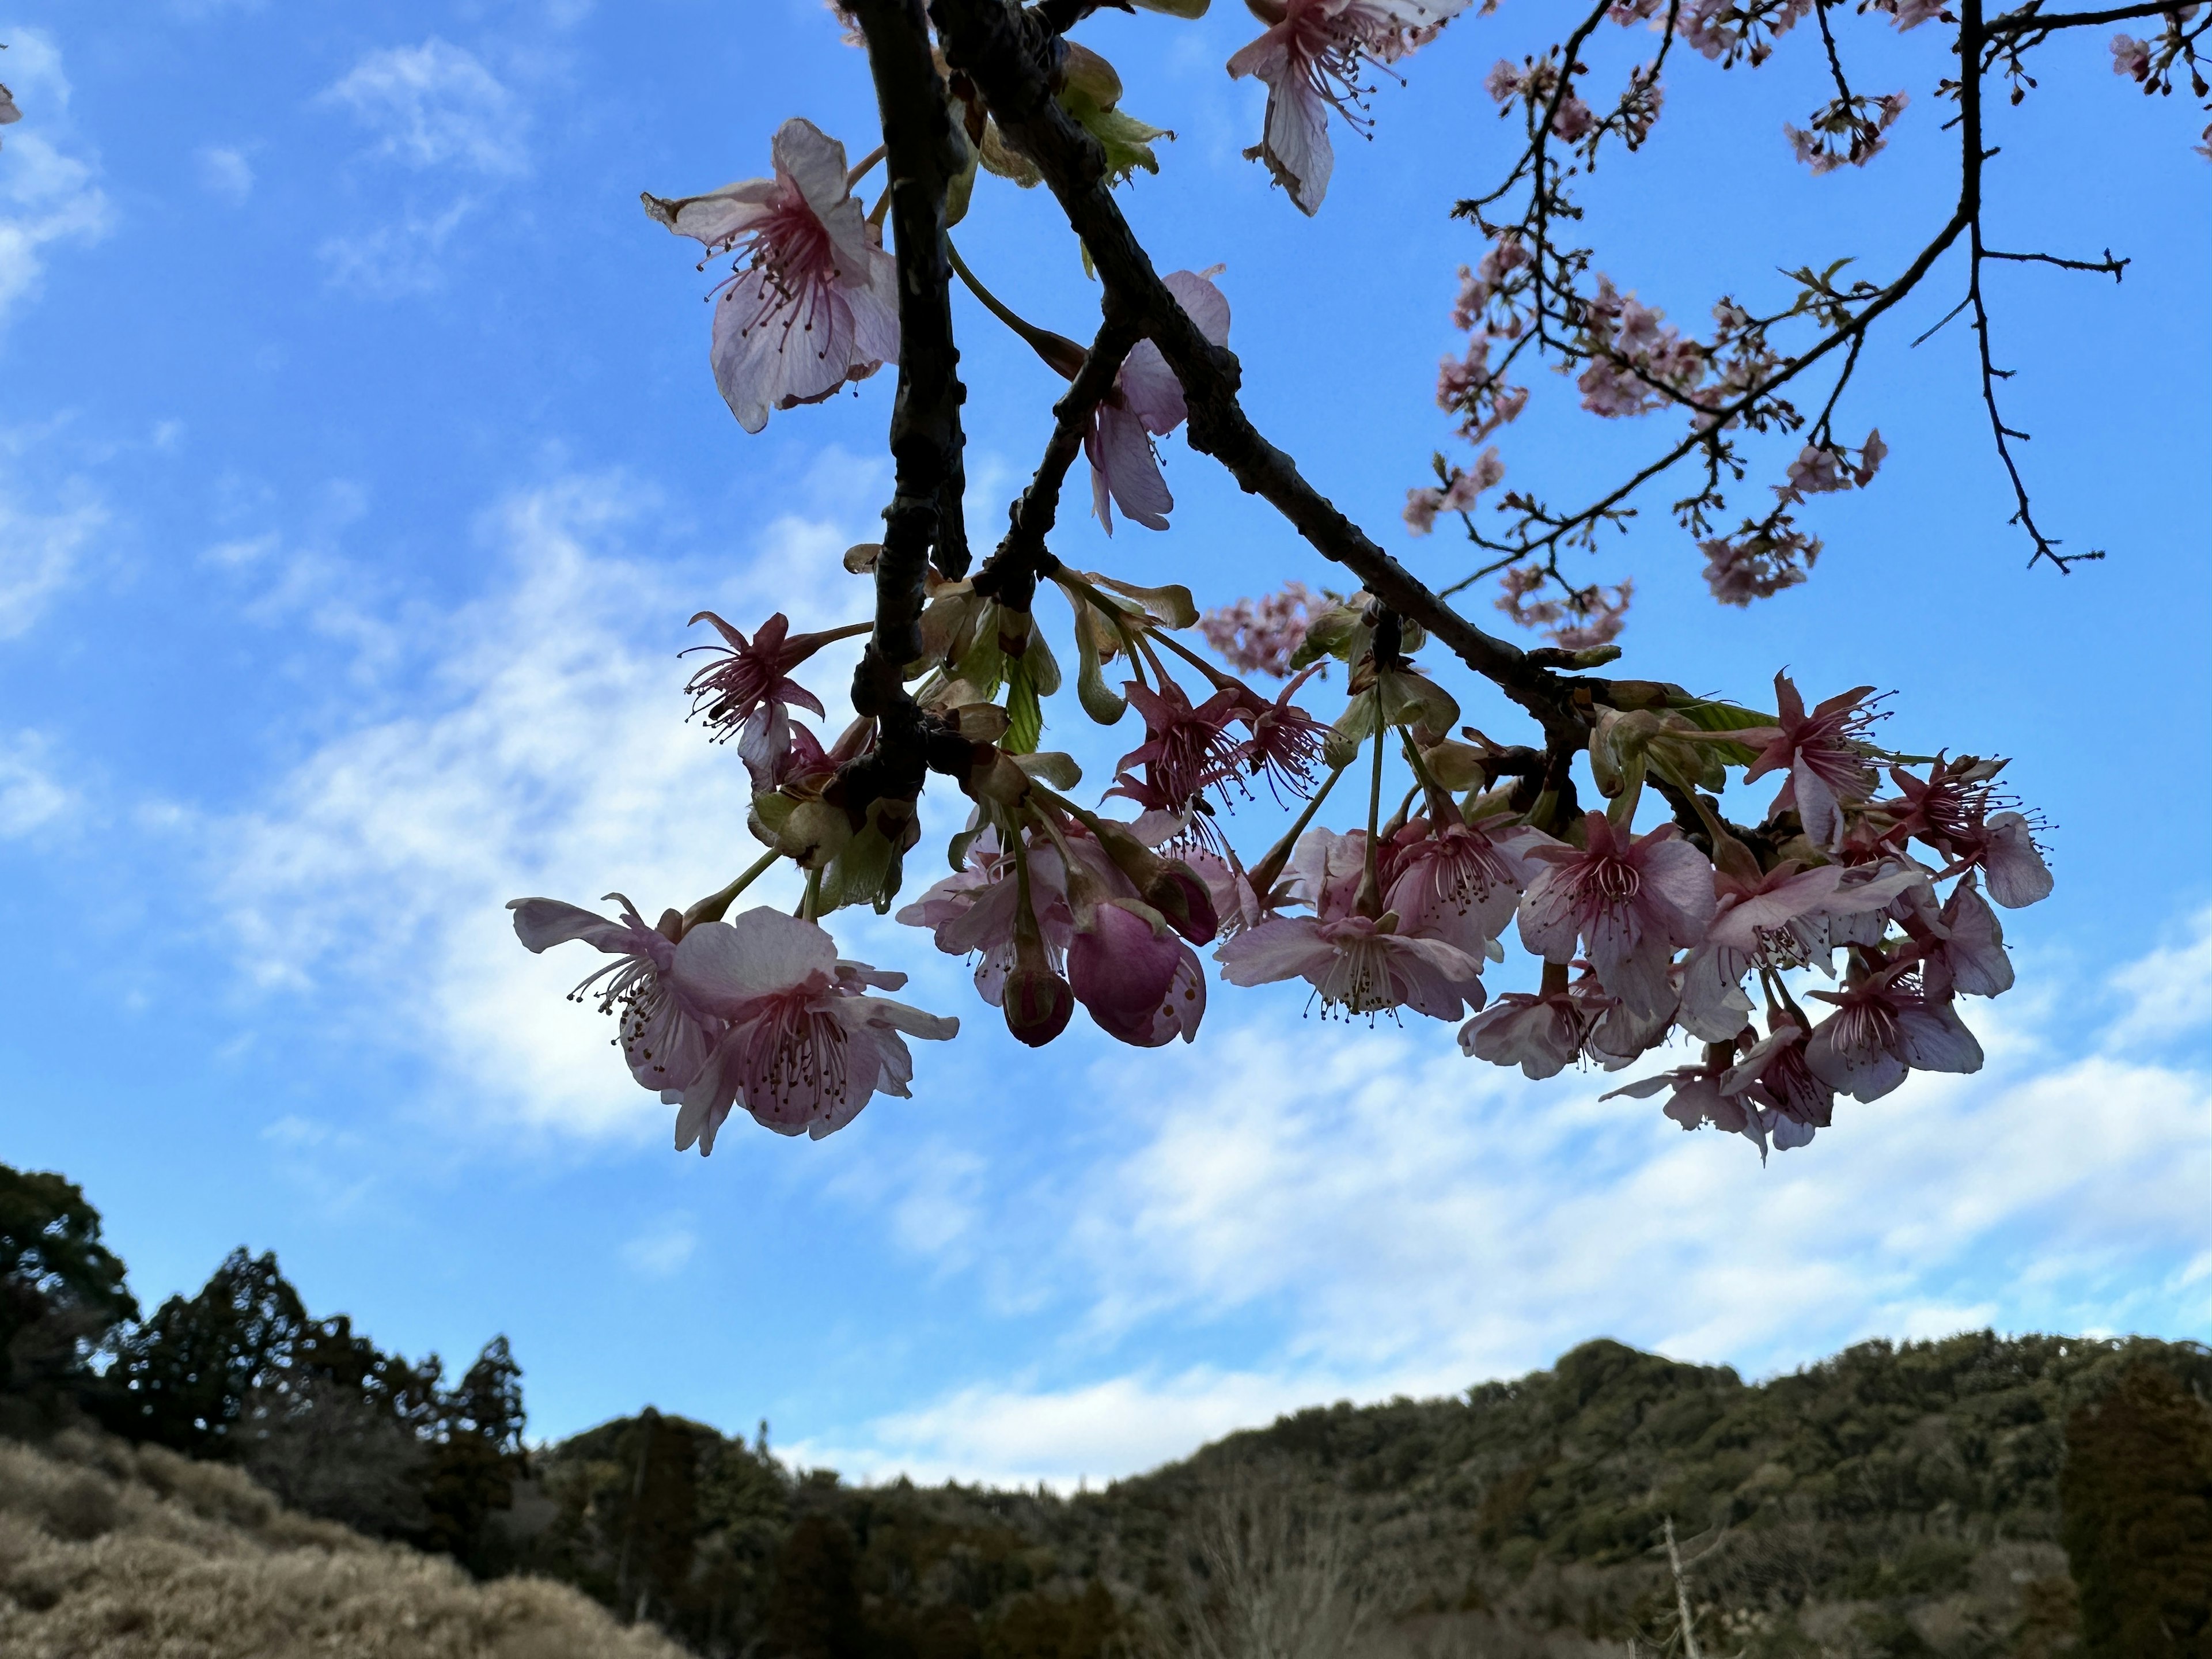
x=547 y=754
x=663 y=1248
x=435 y=105
x=40 y=547
x=394 y=260
x=1406 y=1222
x=46 y=194
x=31 y=797
x=225 y=173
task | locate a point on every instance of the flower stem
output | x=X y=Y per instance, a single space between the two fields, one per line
x=714 y=905
x=860 y=168
x=1265 y=873
x=1370 y=884
x=1061 y=354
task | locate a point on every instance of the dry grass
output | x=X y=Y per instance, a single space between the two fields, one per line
x=112 y=1552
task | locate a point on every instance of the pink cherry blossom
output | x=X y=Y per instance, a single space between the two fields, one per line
x=1757 y=564
x=747 y=692
x=1633 y=903
x=1781 y=921
x=1187 y=751
x=1969 y=957
x=1356 y=965
x=1825 y=754
x=1542 y=1034
x=1884 y=1025
x=974 y=911
x=664 y=1033
x=1456 y=882
x=1147 y=402
x=814 y=302
x=806 y=1046
x=2130 y=57
x=1310 y=59
x=1286 y=744
x=1458 y=494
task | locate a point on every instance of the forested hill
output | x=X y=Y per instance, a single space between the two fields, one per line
x=1978 y=1496
x=1909 y=1499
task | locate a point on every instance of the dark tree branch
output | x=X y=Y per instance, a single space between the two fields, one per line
x=1012 y=57
x=1011 y=572
x=923 y=153
x=2029 y=20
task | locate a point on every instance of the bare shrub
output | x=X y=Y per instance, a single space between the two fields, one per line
x=195 y=1559
x=1268 y=1571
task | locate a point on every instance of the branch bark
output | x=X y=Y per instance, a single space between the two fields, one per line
x=1013 y=58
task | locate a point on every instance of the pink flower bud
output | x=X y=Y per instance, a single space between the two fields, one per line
x=1123 y=959
x=1038 y=1003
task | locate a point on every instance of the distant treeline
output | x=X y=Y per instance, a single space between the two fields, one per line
x=1975 y=1497
x=314 y=1410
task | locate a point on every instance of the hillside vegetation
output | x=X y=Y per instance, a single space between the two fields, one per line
x=112 y=1552
x=1894 y=1500
x=1977 y=1498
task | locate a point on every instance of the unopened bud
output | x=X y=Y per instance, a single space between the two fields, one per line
x=1038 y=1003
x=1177 y=893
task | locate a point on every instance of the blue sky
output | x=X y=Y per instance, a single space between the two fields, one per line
x=359 y=464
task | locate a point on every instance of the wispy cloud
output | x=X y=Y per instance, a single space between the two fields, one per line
x=394 y=260
x=47 y=194
x=546 y=753
x=41 y=542
x=435 y=105
x=663 y=1248
x=225 y=173
x=31 y=796
x=1406 y=1224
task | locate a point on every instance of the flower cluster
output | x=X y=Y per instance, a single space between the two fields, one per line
x=1820 y=953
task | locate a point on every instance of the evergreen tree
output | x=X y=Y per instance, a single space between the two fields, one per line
x=2136 y=1497
x=188 y=1372
x=62 y=1294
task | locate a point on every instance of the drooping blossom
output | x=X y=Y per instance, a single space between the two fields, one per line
x=1454 y=881
x=814 y=301
x=1147 y=403
x=1780 y=920
x=1310 y=59
x=1286 y=743
x=1543 y=1032
x=747 y=692
x=1968 y=956
x=1697 y=1095
x=1883 y=1026
x=806 y=1046
x=1259 y=636
x=975 y=912
x=1187 y=750
x=664 y=1033
x=1824 y=754
x=1950 y=810
x=1356 y=965
x=1631 y=903
x=2130 y=57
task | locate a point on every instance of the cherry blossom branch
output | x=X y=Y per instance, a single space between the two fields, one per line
x=1009 y=55
x=923 y=523
x=1011 y=572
